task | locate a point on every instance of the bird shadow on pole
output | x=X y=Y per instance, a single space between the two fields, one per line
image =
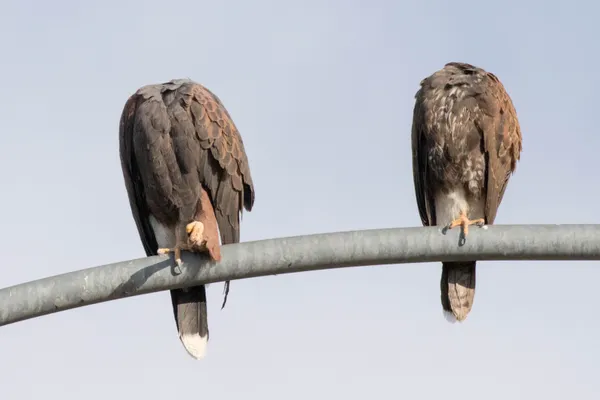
x=137 y=280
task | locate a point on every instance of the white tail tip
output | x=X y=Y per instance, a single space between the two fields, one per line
x=195 y=345
x=449 y=316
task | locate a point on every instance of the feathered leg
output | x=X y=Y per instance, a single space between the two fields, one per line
x=202 y=233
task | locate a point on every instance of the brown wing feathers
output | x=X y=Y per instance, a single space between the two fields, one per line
x=458 y=109
x=224 y=168
x=132 y=177
x=424 y=198
x=503 y=144
x=224 y=172
x=186 y=140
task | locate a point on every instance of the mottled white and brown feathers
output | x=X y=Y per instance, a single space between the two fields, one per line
x=177 y=141
x=466 y=141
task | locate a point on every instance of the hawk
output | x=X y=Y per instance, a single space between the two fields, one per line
x=188 y=181
x=466 y=142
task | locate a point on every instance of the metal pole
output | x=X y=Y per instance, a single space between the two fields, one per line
x=298 y=254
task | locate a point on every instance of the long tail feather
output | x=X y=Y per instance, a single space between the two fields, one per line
x=189 y=307
x=457 y=289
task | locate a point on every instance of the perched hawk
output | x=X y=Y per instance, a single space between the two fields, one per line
x=188 y=180
x=466 y=142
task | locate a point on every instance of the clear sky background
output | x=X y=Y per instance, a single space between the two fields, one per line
x=322 y=92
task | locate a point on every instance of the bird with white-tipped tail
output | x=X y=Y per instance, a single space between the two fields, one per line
x=188 y=181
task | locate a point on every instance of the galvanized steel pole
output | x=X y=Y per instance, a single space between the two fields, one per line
x=298 y=254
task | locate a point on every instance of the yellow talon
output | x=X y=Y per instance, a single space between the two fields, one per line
x=176 y=250
x=464 y=222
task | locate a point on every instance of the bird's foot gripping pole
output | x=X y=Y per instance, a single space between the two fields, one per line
x=176 y=250
x=464 y=222
x=194 y=241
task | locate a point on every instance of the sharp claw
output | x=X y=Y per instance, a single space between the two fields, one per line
x=177 y=268
x=177 y=253
x=464 y=222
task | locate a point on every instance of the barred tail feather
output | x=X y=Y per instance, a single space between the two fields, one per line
x=457 y=289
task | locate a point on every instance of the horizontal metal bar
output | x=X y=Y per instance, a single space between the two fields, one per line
x=298 y=254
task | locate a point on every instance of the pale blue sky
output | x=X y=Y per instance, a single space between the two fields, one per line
x=322 y=93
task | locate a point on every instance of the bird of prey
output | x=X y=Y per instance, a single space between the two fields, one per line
x=466 y=141
x=188 y=181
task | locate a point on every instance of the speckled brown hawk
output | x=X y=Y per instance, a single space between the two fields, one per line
x=188 y=180
x=466 y=142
